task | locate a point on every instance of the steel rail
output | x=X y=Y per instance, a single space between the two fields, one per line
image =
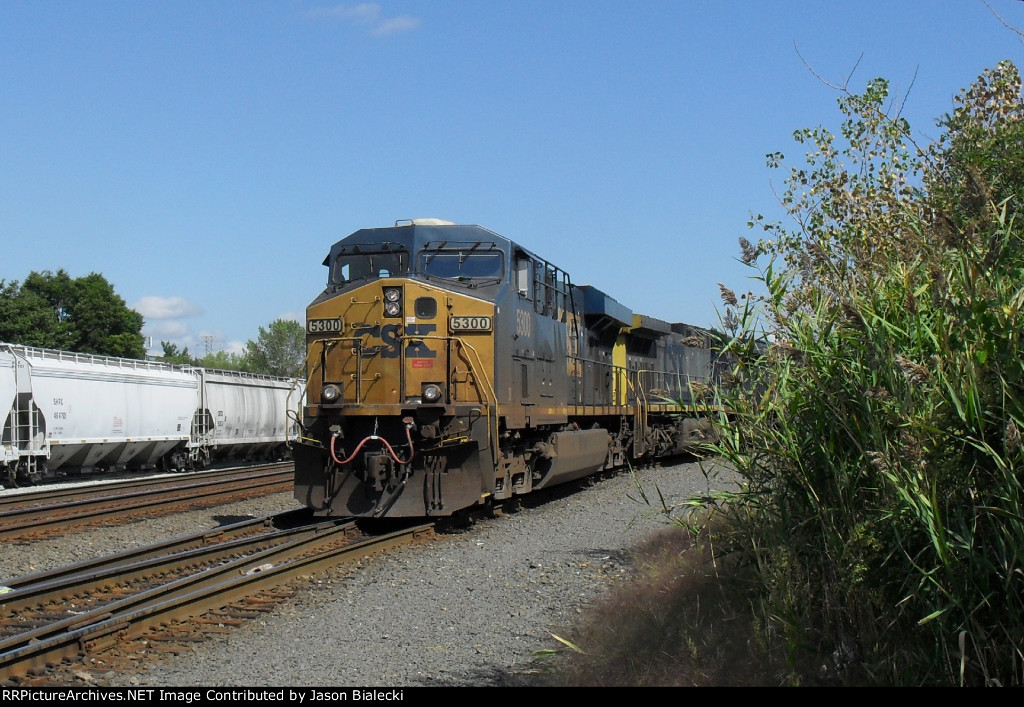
x=187 y=598
x=38 y=519
x=180 y=543
x=190 y=553
x=94 y=487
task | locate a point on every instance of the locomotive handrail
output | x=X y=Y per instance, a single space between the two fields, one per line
x=644 y=405
x=478 y=370
x=334 y=341
x=357 y=349
x=488 y=388
x=680 y=376
x=310 y=374
x=642 y=371
x=617 y=371
x=293 y=415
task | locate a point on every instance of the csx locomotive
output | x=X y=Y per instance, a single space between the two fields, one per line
x=449 y=367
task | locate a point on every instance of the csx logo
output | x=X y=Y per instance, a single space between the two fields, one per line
x=388 y=334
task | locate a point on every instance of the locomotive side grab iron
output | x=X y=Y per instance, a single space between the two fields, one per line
x=449 y=367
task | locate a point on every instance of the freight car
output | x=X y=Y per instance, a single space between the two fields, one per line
x=72 y=413
x=450 y=368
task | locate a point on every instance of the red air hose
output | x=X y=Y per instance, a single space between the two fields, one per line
x=408 y=436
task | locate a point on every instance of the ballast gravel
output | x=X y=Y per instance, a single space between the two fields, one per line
x=472 y=608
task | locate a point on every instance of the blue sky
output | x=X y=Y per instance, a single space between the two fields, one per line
x=203 y=156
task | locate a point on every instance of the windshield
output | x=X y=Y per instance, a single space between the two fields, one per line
x=461 y=260
x=368 y=261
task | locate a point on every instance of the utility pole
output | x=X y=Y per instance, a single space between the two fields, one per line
x=208 y=344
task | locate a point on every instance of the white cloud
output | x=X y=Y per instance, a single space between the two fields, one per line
x=154 y=307
x=367 y=13
x=168 y=329
x=171 y=330
x=403 y=23
x=235 y=347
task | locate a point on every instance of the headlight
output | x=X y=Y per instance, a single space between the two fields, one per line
x=431 y=393
x=392 y=301
x=330 y=394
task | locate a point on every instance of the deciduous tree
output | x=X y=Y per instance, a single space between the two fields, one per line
x=54 y=310
x=172 y=354
x=279 y=350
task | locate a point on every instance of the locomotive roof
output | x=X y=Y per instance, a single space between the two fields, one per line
x=413 y=234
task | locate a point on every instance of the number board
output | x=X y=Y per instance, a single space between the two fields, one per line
x=324 y=326
x=470 y=323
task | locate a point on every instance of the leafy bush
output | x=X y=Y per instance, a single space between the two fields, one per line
x=883 y=505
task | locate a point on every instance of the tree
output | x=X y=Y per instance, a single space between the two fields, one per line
x=226 y=361
x=100 y=320
x=173 y=355
x=81 y=314
x=279 y=350
x=26 y=317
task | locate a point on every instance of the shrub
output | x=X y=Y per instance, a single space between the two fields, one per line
x=883 y=506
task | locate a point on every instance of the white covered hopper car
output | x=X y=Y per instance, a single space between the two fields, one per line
x=71 y=413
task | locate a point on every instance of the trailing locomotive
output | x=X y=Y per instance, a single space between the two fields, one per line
x=449 y=367
x=72 y=413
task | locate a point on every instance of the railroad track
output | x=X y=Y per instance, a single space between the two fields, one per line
x=30 y=516
x=151 y=600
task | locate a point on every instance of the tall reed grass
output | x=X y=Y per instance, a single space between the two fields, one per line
x=882 y=508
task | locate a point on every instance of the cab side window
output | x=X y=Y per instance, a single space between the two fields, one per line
x=524 y=276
